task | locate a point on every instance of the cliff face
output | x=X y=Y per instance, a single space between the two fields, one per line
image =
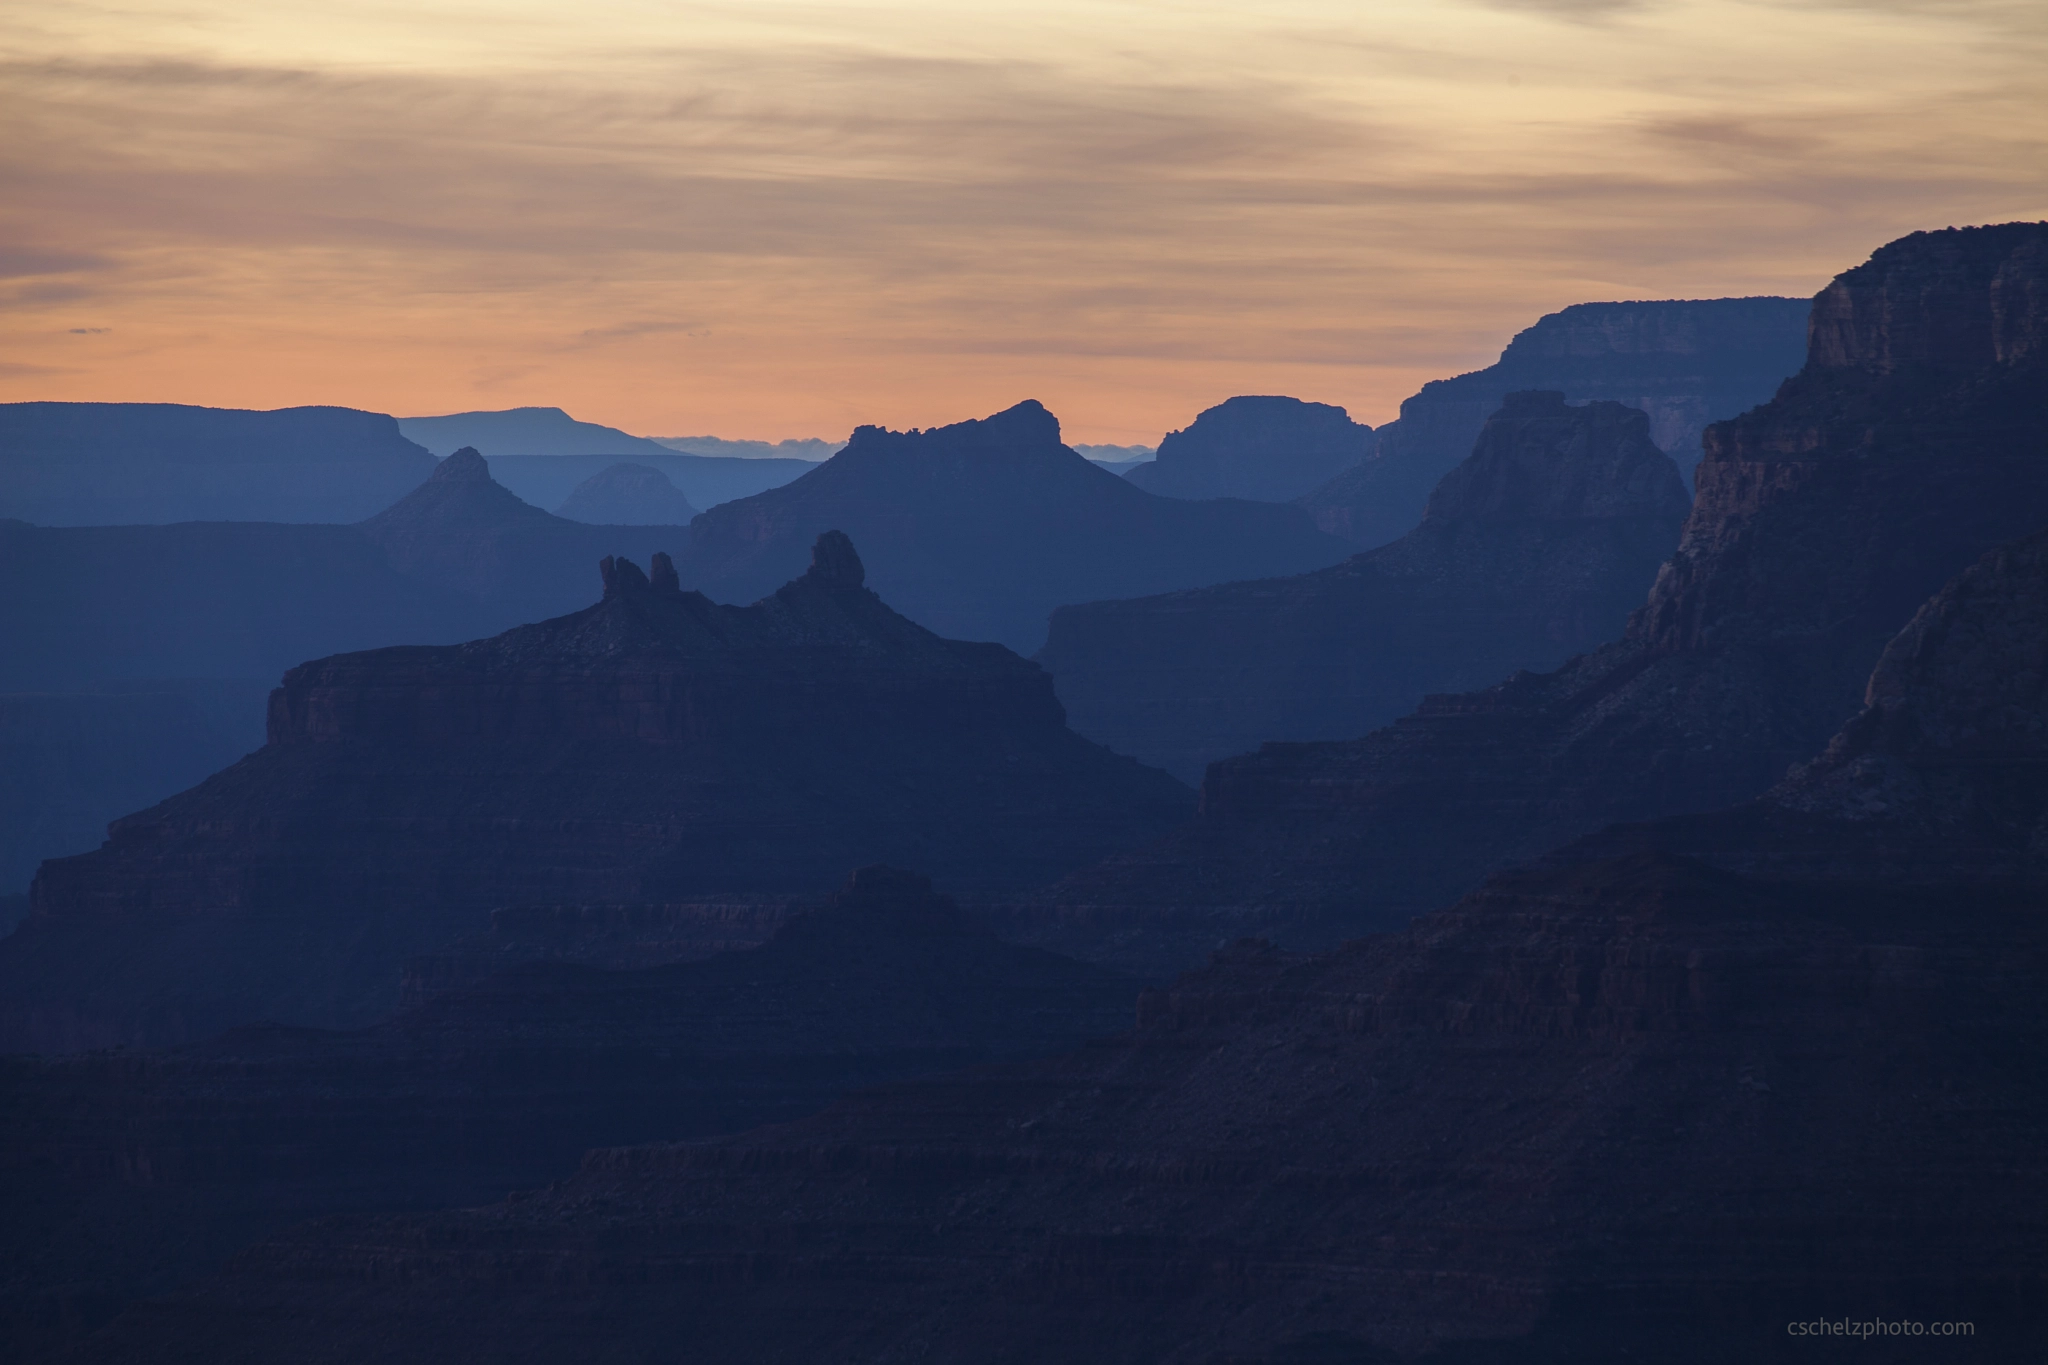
x=628 y=495
x=125 y=1174
x=978 y=530
x=1629 y=1105
x=1686 y=363
x=1825 y=518
x=1266 y=449
x=82 y=464
x=1533 y=550
x=653 y=748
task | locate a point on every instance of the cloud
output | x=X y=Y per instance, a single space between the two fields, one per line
x=19 y=261
x=796 y=220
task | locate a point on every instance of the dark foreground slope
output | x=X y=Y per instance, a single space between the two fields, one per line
x=1688 y=363
x=124 y=1173
x=1915 y=439
x=1635 y=1105
x=1533 y=550
x=646 y=749
x=978 y=530
x=1269 y=449
x=86 y=464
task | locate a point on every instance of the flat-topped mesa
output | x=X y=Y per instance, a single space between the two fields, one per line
x=1540 y=459
x=981 y=528
x=654 y=747
x=1267 y=448
x=1824 y=520
x=1686 y=362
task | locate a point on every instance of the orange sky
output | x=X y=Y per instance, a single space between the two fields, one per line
x=779 y=219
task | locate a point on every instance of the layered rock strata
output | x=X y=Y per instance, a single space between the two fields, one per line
x=1534 y=550
x=1915 y=440
x=123 y=1174
x=653 y=748
x=978 y=530
x=1686 y=363
x=1631 y=1105
x=1269 y=449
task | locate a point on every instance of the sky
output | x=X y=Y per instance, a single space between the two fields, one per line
x=783 y=218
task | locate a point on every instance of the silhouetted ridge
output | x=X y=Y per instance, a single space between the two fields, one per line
x=1824 y=519
x=1686 y=362
x=1268 y=448
x=655 y=747
x=1628 y=1105
x=1534 y=549
x=627 y=495
x=979 y=529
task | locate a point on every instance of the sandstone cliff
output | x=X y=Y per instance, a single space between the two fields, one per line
x=1910 y=445
x=978 y=530
x=1268 y=449
x=650 y=748
x=1631 y=1105
x=1533 y=550
x=1686 y=363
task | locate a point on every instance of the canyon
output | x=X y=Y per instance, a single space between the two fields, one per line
x=1908 y=446
x=1533 y=550
x=653 y=748
x=1686 y=363
x=1652 y=1098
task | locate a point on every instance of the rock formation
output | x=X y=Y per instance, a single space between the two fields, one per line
x=627 y=495
x=978 y=530
x=129 y=1173
x=1266 y=449
x=651 y=748
x=1631 y=1105
x=1908 y=447
x=463 y=530
x=1687 y=363
x=1533 y=550
x=83 y=464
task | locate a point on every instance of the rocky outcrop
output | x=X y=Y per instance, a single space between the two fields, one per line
x=628 y=495
x=1268 y=449
x=124 y=1174
x=84 y=464
x=1534 y=550
x=653 y=748
x=1824 y=519
x=1687 y=363
x=464 y=531
x=978 y=530
x=1627 y=1106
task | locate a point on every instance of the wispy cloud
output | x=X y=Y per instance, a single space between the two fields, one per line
x=804 y=232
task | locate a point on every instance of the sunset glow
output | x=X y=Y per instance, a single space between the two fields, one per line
x=783 y=219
